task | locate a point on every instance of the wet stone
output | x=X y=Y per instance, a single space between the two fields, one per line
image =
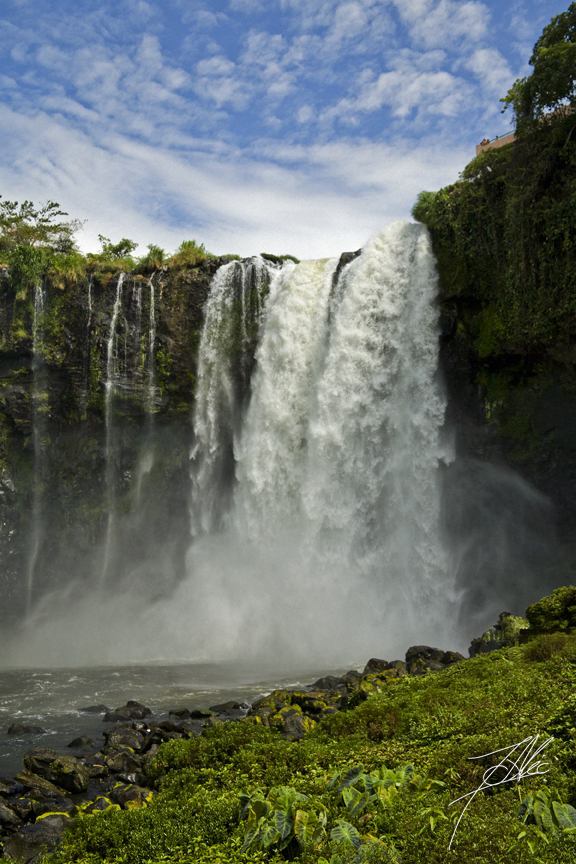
x=19 y=729
x=96 y=709
x=8 y=818
x=82 y=741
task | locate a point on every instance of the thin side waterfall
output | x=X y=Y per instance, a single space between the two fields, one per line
x=146 y=462
x=232 y=318
x=89 y=306
x=111 y=364
x=39 y=430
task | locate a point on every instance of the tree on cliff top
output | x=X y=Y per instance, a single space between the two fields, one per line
x=29 y=226
x=553 y=81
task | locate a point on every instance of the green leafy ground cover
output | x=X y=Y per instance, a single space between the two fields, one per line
x=240 y=793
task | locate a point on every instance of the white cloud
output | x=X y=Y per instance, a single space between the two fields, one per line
x=492 y=69
x=439 y=24
x=311 y=201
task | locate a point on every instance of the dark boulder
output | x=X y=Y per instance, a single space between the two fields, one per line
x=226 y=707
x=123 y=737
x=183 y=713
x=95 y=709
x=329 y=682
x=65 y=771
x=422 y=658
x=36 y=786
x=375 y=665
x=82 y=741
x=37 y=839
x=8 y=818
x=19 y=729
x=131 y=711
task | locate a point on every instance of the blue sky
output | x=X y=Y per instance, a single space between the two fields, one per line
x=299 y=126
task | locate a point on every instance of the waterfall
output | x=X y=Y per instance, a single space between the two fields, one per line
x=39 y=431
x=146 y=461
x=110 y=478
x=232 y=317
x=333 y=523
x=315 y=513
x=89 y=307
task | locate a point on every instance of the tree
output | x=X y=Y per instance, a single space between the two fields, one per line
x=553 y=81
x=110 y=250
x=24 y=225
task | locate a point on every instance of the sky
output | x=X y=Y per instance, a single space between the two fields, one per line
x=283 y=126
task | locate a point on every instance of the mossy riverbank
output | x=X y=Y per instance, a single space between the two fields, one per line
x=242 y=781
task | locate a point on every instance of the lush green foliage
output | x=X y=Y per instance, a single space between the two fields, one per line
x=553 y=81
x=232 y=784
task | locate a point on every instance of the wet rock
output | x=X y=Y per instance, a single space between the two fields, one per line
x=58 y=804
x=82 y=741
x=123 y=737
x=374 y=665
x=399 y=666
x=183 y=713
x=449 y=658
x=23 y=807
x=376 y=681
x=352 y=679
x=312 y=701
x=123 y=761
x=65 y=771
x=296 y=726
x=5 y=786
x=131 y=711
x=96 y=709
x=506 y=633
x=8 y=818
x=212 y=721
x=37 y=786
x=31 y=840
x=329 y=682
x=131 y=797
x=226 y=707
x=96 y=766
x=101 y=803
x=19 y=729
x=199 y=715
x=275 y=700
x=420 y=657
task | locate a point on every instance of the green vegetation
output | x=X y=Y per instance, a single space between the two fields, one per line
x=374 y=783
x=552 y=84
x=505 y=244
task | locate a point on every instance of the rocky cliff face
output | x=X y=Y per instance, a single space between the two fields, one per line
x=96 y=390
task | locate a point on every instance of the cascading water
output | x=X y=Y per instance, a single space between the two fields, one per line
x=39 y=408
x=333 y=535
x=111 y=361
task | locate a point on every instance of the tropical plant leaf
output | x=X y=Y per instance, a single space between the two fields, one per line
x=565 y=815
x=252 y=833
x=268 y=835
x=283 y=822
x=343 y=832
x=350 y=777
x=354 y=801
